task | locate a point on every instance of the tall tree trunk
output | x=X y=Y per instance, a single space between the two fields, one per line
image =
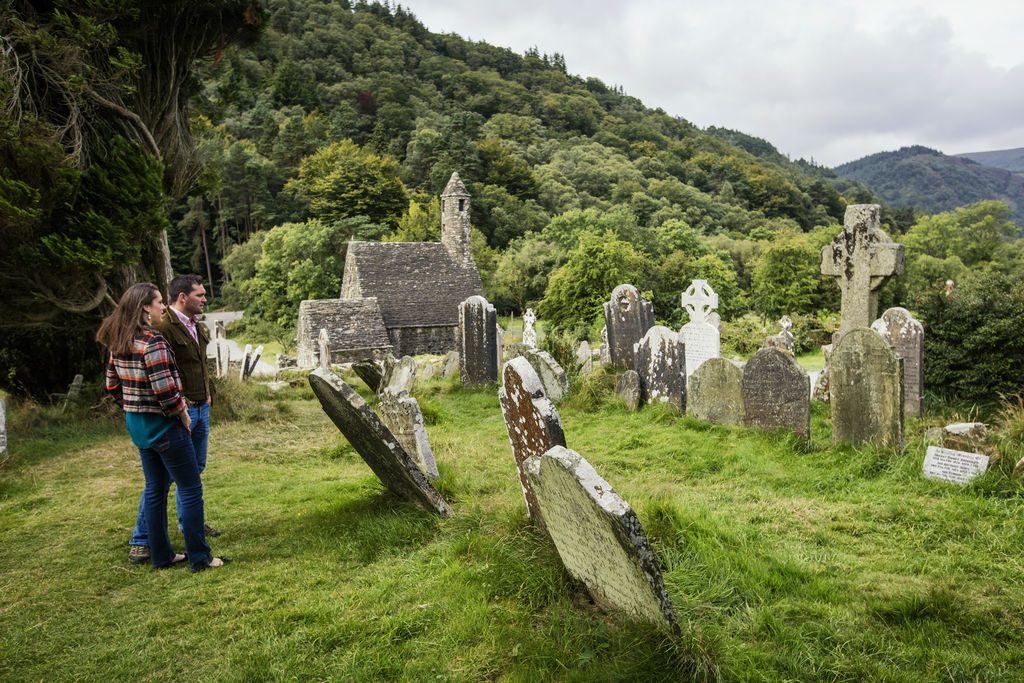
x=162 y=264
x=206 y=255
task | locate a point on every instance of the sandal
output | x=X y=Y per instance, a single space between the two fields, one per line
x=215 y=562
x=176 y=559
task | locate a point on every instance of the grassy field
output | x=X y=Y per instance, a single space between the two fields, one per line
x=785 y=561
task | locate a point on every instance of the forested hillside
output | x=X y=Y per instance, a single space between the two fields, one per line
x=263 y=138
x=1009 y=159
x=545 y=154
x=928 y=180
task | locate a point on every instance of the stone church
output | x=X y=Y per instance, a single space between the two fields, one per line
x=401 y=297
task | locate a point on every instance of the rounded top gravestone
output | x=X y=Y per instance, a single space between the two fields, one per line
x=866 y=390
x=715 y=392
x=777 y=392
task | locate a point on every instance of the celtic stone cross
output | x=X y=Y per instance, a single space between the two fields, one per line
x=699 y=300
x=862 y=258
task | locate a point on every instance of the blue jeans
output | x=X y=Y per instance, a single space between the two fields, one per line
x=200 y=442
x=173 y=458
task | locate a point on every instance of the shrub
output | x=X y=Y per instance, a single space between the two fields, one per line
x=973 y=347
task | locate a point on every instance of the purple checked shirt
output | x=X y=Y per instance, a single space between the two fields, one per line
x=189 y=323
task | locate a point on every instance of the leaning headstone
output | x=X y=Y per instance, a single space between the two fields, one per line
x=3 y=428
x=375 y=443
x=246 y=355
x=629 y=389
x=450 y=367
x=402 y=415
x=714 y=393
x=552 y=376
x=247 y=370
x=371 y=372
x=701 y=339
x=74 y=391
x=324 y=347
x=219 y=331
x=715 y=320
x=776 y=393
x=478 y=347
x=585 y=358
x=862 y=258
x=661 y=363
x=599 y=538
x=627 y=317
x=400 y=378
x=906 y=337
x=958 y=467
x=866 y=390
x=529 y=334
x=533 y=424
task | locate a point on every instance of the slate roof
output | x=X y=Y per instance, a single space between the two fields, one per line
x=416 y=283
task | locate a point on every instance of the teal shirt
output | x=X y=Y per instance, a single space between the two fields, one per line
x=148 y=428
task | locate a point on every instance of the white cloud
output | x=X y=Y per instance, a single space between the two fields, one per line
x=830 y=80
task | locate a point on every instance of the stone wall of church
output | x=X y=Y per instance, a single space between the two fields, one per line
x=412 y=341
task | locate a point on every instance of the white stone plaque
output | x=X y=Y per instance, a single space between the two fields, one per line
x=702 y=341
x=958 y=467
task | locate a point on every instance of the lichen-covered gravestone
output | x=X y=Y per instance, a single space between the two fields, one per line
x=531 y=419
x=866 y=390
x=450 y=367
x=906 y=337
x=630 y=390
x=715 y=392
x=862 y=258
x=402 y=415
x=529 y=334
x=701 y=339
x=371 y=372
x=776 y=393
x=627 y=317
x=552 y=376
x=375 y=443
x=585 y=358
x=660 y=361
x=399 y=377
x=599 y=538
x=478 y=342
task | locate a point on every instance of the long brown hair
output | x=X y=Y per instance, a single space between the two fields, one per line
x=118 y=330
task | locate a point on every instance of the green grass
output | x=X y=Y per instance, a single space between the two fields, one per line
x=785 y=561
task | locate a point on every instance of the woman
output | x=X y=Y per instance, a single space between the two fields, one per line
x=142 y=377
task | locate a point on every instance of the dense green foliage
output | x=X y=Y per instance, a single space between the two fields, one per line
x=974 y=349
x=545 y=154
x=925 y=179
x=93 y=140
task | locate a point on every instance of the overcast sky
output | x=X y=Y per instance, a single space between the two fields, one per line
x=832 y=80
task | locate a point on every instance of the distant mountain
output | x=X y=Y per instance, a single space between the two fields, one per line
x=1009 y=159
x=926 y=179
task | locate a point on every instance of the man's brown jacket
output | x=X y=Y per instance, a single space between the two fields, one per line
x=189 y=356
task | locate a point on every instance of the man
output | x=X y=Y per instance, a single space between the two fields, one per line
x=188 y=340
